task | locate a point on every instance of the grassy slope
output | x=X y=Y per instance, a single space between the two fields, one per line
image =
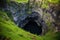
x=52 y=36
x=20 y=1
x=9 y=30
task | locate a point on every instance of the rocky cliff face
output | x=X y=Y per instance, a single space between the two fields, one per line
x=23 y=13
x=22 y=17
x=48 y=11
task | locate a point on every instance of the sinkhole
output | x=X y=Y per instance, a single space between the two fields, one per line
x=33 y=27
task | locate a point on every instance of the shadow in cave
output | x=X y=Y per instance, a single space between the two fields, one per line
x=33 y=27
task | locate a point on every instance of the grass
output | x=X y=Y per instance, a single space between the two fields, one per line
x=9 y=31
x=45 y=3
x=53 y=1
x=21 y=1
x=52 y=36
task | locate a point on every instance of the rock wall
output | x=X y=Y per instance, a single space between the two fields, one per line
x=49 y=12
x=47 y=17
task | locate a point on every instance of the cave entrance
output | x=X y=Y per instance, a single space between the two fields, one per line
x=33 y=27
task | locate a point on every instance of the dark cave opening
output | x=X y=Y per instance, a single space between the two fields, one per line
x=33 y=27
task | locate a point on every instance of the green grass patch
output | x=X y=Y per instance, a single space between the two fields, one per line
x=10 y=30
x=21 y=1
